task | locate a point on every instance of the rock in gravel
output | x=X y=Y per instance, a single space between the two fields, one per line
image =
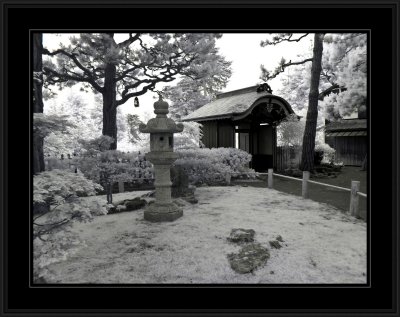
x=240 y=235
x=249 y=258
x=128 y=205
x=275 y=244
x=134 y=204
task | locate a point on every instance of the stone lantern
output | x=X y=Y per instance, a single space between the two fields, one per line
x=162 y=156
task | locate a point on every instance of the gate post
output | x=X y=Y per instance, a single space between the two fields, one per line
x=270 y=178
x=355 y=187
x=304 y=188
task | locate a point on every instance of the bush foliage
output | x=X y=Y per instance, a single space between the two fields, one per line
x=107 y=167
x=324 y=153
x=213 y=166
x=60 y=191
x=203 y=166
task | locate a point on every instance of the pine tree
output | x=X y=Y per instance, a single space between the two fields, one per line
x=120 y=71
x=339 y=84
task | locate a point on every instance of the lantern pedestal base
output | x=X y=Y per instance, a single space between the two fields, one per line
x=162 y=212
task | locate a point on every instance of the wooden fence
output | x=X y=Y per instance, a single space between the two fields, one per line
x=354 y=190
x=287 y=157
x=350 y=150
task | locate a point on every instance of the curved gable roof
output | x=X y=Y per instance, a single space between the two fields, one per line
x=235 y=103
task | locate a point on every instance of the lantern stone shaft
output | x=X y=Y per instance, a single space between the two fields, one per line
x=162 y=155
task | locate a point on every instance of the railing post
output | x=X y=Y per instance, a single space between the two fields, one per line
x=121 y=188
x=270 y=178
x=304 y=188
x=355 y=187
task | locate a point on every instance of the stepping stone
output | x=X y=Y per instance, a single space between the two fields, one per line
x=240 y=235
x=249 y=258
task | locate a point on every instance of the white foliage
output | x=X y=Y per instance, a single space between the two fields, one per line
x=344 y=64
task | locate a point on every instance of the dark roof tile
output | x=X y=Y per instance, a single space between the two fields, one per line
x=347 y=125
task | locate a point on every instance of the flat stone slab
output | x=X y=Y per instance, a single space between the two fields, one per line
x=162 y=212
x=249 y=258
x=240 y=235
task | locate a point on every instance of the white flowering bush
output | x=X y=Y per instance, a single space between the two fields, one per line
x=60 y=191
x=58 y=186
x=202 y=171
x=325 y=152
x=338 y=164
x=213 y=166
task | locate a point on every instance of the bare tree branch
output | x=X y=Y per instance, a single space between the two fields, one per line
x=73 y=56
x=327 y=91
x=344 y=55
x=280 y=69
x=286 y=37
x=129 y=41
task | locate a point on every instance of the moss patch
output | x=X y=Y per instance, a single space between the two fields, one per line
x=249 y=258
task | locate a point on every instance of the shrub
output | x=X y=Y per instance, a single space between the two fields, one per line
x=202 y=171
x=107 y=167
x=112 y=166
x=60 y=191
x=213 y=166
x=56 y=247
x=53 y=163
x=324 y=154
x=59 y=186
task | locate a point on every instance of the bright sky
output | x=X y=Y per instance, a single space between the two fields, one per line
x=243 y=49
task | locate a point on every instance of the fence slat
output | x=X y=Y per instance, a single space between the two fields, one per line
x=288 y=177
x=329 y=185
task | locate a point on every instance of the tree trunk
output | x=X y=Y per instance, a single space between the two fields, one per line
x=109 y=193
x=109 y=105
x=38 y=157
x=307 y=158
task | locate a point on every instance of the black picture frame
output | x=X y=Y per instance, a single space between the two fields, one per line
x=379 y=298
